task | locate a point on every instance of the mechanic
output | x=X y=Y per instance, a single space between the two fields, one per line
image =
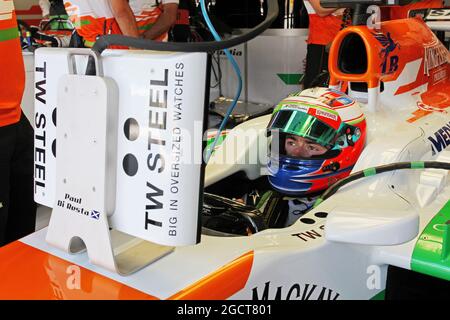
x=52 y=8
x=45 y=8
x=149 y=19
x=155 y=17
x=17 y=206
x=315 y=148
x=324 y=24
x=55 y=18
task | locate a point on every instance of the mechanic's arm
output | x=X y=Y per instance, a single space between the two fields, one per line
x=124 y=17
x=45 y=7
x=164 y=22
x=321 y=11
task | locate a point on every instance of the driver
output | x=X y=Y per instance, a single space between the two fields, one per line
x=316 y=138
x=51 y=8
x=300 y=147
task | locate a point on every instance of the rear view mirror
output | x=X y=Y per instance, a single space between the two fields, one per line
x=371 y=226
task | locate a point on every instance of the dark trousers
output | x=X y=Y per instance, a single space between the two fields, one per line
x=17 y=206
x=316 y=63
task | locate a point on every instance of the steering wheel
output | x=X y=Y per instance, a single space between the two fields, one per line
x=230 y=217
x=23 y=26
x=25 y=29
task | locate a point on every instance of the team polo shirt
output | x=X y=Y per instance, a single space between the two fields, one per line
x=92 y=18
x=12 y=74
x=322 y=30
x=95 y=18
x=147 y=12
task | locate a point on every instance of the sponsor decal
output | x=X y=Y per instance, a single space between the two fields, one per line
x=234 y=52
x=158 y=144
x=45 y=118
x=312 y=234
x=439 y=75
x=157 y=111
x=390 y=62
x=325 y=114
x=344 y=100
x=40 y=138
x=157 y=115
x=435 y=56
x=75 y=204
x=296 y=107
x=439 y=14
x=440 y=139
x=295 y=292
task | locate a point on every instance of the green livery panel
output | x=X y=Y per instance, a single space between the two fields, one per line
x=431 y=254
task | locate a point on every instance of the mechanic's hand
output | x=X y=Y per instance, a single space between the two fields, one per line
x=339 y=12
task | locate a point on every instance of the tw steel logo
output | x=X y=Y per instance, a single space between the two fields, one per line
x=440 y=140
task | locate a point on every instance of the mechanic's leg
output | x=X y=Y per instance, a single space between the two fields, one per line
x=7 y=142
x=22 y=213
x=316 y=60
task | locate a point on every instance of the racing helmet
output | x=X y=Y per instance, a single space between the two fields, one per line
x=322 y=116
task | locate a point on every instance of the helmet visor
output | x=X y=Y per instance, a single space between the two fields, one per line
x=304 y=125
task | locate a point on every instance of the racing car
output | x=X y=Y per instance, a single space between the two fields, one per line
x=381 y=231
